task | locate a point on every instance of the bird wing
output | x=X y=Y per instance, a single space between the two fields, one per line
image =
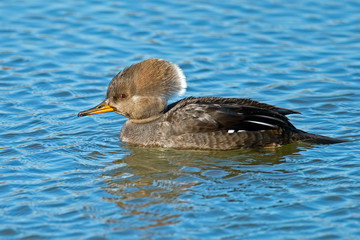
x=232 y=114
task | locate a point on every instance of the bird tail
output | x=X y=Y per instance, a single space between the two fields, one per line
x=316 y=139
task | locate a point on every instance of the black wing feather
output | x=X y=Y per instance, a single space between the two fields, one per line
x=211 y=114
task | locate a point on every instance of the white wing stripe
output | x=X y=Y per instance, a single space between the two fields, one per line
x=262 y=123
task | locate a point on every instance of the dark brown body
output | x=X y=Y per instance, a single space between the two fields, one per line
x=214 y=123
x=140 y=92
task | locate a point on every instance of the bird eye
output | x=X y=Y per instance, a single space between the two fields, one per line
x=117 y=97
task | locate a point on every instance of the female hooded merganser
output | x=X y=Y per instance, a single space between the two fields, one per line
x=140 y=93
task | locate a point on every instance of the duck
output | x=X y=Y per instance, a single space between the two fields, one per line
x=140 y=92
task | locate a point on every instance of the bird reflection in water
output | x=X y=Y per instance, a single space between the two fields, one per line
x=158 y=184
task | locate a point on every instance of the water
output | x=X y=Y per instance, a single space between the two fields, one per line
x=63 y=177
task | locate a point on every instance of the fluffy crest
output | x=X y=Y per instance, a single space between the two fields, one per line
x=152 y=77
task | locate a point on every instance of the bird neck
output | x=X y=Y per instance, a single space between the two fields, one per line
x=146 y=108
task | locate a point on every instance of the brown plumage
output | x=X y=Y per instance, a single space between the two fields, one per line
x=140 y=92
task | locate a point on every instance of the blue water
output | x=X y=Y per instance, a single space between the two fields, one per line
x=64 y=177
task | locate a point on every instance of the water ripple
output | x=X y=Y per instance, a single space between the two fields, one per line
x=63 y=177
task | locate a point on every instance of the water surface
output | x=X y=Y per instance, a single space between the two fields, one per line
x=63 y=177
